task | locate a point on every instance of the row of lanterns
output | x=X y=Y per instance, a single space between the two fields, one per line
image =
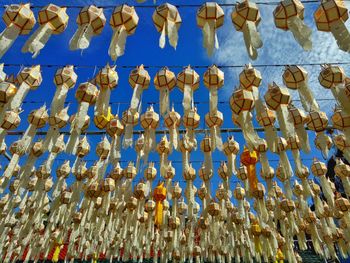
x=288 y=15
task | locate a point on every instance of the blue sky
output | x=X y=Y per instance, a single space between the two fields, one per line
x=142 y=48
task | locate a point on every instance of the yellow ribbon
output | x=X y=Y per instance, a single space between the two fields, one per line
x=56 y=254
x=279 y=256
x=159 y=196
x=249 y=159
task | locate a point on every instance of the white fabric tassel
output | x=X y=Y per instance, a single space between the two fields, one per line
x=81 y=38
x=285 y=164
x=164 y=101
x=19 y=96
x=270 y=137
x=80 y=117
x=128 y=136
x=323 y=140
x=73 y=141
x=172 y=33
x=339 y=93
x=252 y=39
x=213 y=100
x=8 y=37
x=136 y=97
x=209 y=37
x=251 y=137
x=8 y=172
x=303 y=138
x=297 y=161
x=173 y=137
x=341 y=34
x=307 y=98
x=37 y=40
x=327 y=190
x=187 y=99
x=284 y=121
x=117 y=46
x=102 y=103
x=301 y=32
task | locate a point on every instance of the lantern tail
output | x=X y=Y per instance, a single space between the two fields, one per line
x=38 y=40
x=307 y=98
x=301 y=32
x=252 y=39
x=172 y=33
x=8 y=37
x=341 y=34
x=303 y=138
x=117 y=46
x=81 y=38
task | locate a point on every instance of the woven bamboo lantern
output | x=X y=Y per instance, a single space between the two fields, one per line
x=224 y=175
x=53 y=20
x=19 y=20
x=149 y=122
x=277 y=98
x=319 y=169
x=342 y=170
x=342 y=144
x=299 y=119
x=210 y=16
x=163 y=150
x=282 y=146
x=289 y=15
x=11 y=121
x=116 y=173
x=80 y=172
x=139 y=80
x=318 y=122
x=188 y=82
x=164 y=82
x=296 y=77
x=266 y=118
x=60 y=119
x=129 y=120
x=7 y=92
x=28 y=79
x=167 y=21
x=103 y=148
x=191 y=120
x=214 y=121
x=64 y=170
x=330 y=16
x=250 y=79
x=115 y=129
x=231 y=149
x=294 y=145
x=107 y=79
x=91 y=21
x=172 y=121
x=124 y=21
x=150 y=174
x=242 y=102
x=83 y=148
x=246 y=18
x=129 y=173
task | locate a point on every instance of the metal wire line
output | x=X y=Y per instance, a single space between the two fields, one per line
x=177 y=5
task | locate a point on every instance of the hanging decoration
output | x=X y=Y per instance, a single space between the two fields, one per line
x=164 y=81
x=53 y=20
x=115 y=129
x=19 y=20
x=214 y=80
x=210 y=16
x=299 y=119
x=188 y=82
x=124 y=21
x=149 y=122
x=129 y=120
x=289 y=15
x=246 y=18
x=167 y=21
x=91 y=21
x=331 y=16
x=172 y=121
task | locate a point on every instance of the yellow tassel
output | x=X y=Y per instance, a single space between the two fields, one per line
x=56 y=253
x=279 y=256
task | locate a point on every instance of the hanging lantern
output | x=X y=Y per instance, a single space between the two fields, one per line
x=317 y=121
x=129 y=174
x=28 y=79
x=289 y=15
x=129 y=120
x=188 y=82
x=53 y=20
x=207 y=151
x=10 y=122
x=124 y=21
x=115 y=129
x=246 y=18
x=282 y=146
x=250 y=79
x=294 y=146
x=139 y=80
x=163 y=151
x=341 y=142
x=296 y=77
x=167 y=21
x=56 y=149
x=267 y=172
x=242 y=102
x=259 y=194
x=168 y=176
x=19 y=20
x=159 y=196
x=334 y=78
x=205 y=174
x=319 y=169
x=299 y=119
x=164 y=81
x=214 y=80
x=210 y=17
x=149 y=122
x=231 y=149
x=285 y=179
x=7 y=92
x=56 y=122
x=266 y=119
x=342 y=170
x=330 y=16
x=139 y=149
x=91 y=21
x=172 y=121
x=249 y=160
x=191 y=121
x=277 y=99
x=86 y=95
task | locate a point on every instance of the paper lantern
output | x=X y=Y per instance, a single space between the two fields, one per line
x=139 y=80
x=299 y=120
x=129 y=120
x=250 y=79
x=86 y=96
x=115 y=129
x=64 y=170
x=296 y=77
x=167 y=21
x=91 y=21
x=213 y=79
x=330 y=16
x=242 y=102
x=342 y=170
x=191 y=120
x=172 y=121
x=277 y=98
x=163 y=150
x=124 y=21
x=19 y=20
x=53 y=20
x=246 y=18
x=210 y=16
x=164 y=82
x=266 y=118
x=103 y=149
x=289 y=15
x=231 y=149
x=188 y=82
x=10 y=122
x=149 y=122
x=7 y=92
x=317 y=121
